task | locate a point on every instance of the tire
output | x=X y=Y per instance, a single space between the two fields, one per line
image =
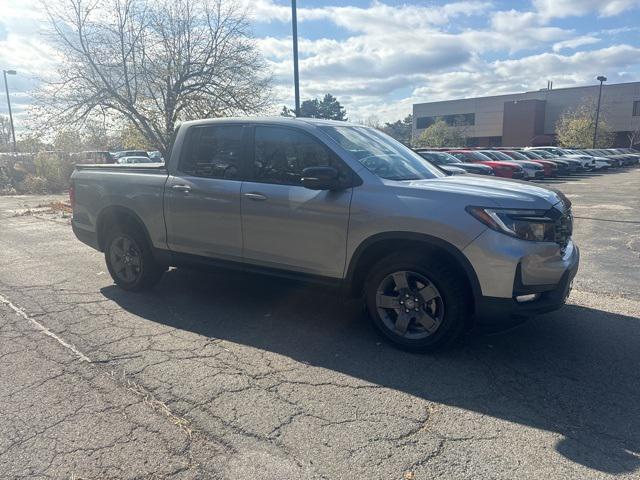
x=140 y=271
x=425 y=312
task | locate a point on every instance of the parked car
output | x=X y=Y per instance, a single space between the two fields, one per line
x=130 y=153
x=339 y=204
x=587 y=163
x=135 y=159
x=443 y=159
x=92 y=157
x=561 y=166
x=599 y=162
x=531 y=169
x=501 y=169
x=156 y=156
x=572 y=164
x=628 y=158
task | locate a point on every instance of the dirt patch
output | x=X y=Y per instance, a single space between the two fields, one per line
x=56 y=210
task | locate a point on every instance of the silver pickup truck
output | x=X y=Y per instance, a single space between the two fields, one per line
x=330 y=202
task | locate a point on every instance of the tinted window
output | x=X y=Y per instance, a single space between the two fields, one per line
x=213 y=152
x=281 y=154
x=636 y=108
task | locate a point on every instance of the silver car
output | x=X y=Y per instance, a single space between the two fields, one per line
x=340 y=204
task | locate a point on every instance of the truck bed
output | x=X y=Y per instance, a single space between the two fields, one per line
x=139 y=167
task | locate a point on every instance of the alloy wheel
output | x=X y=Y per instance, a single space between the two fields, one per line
x=410 y=305
x=126 y=259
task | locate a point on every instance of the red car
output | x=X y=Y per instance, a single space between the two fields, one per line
x=550 y=168
x=502 y=169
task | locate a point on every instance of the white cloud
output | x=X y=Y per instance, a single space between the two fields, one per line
x=574 y=43
x=375 y=18
x=531 y=73
x=569 y=8
x=388 y=56
x=23 y=48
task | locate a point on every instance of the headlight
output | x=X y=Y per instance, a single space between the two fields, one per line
x=532 y=225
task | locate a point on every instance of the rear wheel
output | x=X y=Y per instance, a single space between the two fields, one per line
x=419 y=303
x=130 y=261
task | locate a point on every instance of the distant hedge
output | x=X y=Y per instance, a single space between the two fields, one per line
x=45 y=172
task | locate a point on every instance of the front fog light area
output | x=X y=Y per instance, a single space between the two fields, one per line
x=527 y=298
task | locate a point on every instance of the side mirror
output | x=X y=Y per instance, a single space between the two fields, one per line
x=320 y=178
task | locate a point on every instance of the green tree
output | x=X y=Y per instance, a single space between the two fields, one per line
x=67 y=140
x=132 y=139
x=400 y=129
x=575 y=128
x=329 y=107
x=439 y=134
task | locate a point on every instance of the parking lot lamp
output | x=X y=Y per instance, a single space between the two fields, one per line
x=296 y=80
x=595 y=130
x=6 y=86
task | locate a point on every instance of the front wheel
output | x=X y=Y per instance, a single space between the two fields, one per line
x=419 y=303
x=130 y=261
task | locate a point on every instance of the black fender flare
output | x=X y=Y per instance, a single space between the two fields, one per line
x=434 y=242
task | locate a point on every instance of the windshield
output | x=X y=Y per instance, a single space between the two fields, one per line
x=516 y=155
x=531 y=155
x=382 y=155
x=440 y=158
x=543 y=154
x=477 y=156
x=495 y=155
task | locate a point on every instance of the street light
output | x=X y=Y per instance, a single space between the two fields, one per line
x=296 y=85
x=602 y=79
x=6 y=86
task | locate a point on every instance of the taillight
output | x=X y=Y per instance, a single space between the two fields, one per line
x=72 y=196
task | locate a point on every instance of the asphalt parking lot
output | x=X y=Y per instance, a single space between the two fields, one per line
x=217 y=376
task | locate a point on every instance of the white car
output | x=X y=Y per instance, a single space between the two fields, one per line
x=600 y=162
x=134 y=159
x=587 y=162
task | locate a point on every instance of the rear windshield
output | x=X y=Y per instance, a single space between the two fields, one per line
x=382 y=155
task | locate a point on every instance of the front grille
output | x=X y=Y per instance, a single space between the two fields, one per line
x=564 y=230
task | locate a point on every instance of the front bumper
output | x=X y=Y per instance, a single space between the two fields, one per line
x=504 y=312
x=507 y=267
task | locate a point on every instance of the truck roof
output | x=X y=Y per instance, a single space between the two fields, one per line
x=273 y=120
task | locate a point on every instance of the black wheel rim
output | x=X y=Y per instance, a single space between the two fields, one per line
x=126 y=259
x=409 y=305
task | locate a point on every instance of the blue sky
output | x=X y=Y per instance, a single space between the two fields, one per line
x=380 y=57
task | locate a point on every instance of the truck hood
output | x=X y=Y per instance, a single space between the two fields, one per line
x=490 y=192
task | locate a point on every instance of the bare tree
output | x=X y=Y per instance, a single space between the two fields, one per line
x=153 y=63
x=5 y=133
x=634 y=136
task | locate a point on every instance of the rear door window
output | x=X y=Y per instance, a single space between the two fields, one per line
x=213 y=151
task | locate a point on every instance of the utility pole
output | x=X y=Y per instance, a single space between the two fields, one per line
x=296 y=79
x=595 y=130
x=6 y=86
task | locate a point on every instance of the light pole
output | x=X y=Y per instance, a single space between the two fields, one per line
x=595 y=130
x=296 y=86
x=6 y=86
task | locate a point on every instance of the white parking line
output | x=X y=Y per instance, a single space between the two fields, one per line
x=45 y=330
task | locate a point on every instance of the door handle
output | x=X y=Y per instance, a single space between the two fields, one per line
x=181 y=188
x=255 y=196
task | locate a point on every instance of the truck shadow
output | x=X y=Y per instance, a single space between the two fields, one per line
x=575 y=372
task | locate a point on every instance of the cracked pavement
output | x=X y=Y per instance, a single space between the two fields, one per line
x=231 y=376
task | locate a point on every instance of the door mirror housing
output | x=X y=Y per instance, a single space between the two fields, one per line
x=321 y=178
